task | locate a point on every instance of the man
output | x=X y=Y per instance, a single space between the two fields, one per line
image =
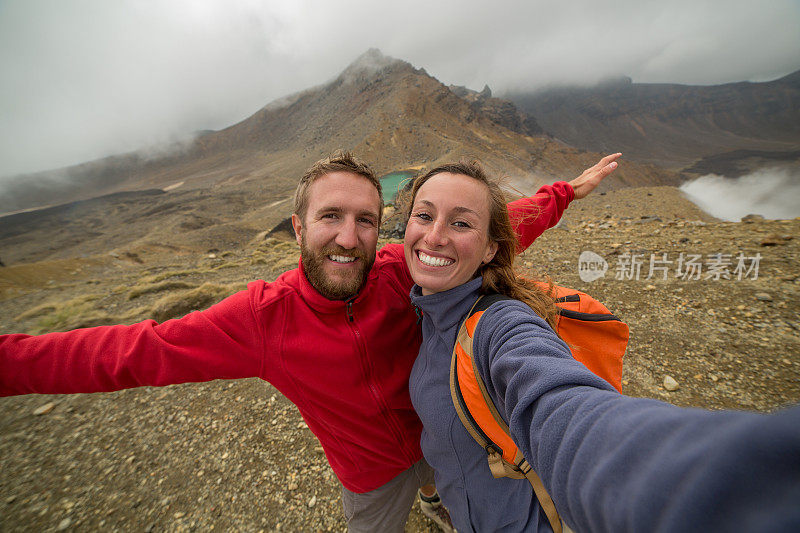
x=337 y=336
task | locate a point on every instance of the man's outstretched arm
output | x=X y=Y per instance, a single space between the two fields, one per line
x=531 y=216
x=220 y=342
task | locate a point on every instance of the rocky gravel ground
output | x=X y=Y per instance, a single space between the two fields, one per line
x=236 y=456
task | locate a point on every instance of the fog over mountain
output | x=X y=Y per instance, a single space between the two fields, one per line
x=84 y=80
x=393 y=115
x=720 y=129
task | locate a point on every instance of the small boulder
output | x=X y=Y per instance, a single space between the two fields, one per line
x=44 y=409
x=670 y=384
x=772 y=240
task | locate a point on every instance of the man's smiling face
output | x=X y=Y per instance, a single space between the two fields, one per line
x=339 y=233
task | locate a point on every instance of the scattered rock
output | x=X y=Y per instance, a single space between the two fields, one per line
x=752 y=218
x=670 y=384
x=179 y=514
x=764 y=297
x=312 y=502
x=772 y=240
x=132 y=257
x=648 y=218
x=64 y=524
x=44 y=409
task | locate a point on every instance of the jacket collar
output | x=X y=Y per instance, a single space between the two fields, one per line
x=447 y=309
x=323 y=305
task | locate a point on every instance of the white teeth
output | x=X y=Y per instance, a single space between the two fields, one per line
x=341 y=258
x=434 y=261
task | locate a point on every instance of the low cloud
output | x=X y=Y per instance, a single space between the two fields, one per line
x=82 y=80
x=773 y=193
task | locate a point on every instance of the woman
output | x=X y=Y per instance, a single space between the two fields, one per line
x=610 y=463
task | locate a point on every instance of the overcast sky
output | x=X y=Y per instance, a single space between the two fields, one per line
x=82 y=79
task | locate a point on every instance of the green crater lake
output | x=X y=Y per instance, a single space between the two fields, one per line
x=393 y=182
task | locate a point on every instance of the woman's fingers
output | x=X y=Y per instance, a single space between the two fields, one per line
x=592 y=176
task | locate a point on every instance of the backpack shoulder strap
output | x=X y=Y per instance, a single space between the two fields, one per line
x=480 y=417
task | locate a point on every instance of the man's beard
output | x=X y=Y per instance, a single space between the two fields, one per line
x=314 y=268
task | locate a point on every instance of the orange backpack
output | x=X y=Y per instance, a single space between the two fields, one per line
x=596 y=337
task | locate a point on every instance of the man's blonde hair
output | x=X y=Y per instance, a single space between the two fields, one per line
x=339 y=161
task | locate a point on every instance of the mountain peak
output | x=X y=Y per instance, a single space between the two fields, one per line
x=373 y=58
x=371 y=62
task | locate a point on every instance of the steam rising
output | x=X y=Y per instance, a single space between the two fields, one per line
x=772 y=193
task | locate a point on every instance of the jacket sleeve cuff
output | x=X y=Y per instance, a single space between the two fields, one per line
x=531 y=216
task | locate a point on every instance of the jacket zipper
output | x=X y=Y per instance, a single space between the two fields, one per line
x=398 y=434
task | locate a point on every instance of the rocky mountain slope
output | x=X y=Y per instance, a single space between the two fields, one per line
x=237 y=456
x=674 y=125
x=385 y=110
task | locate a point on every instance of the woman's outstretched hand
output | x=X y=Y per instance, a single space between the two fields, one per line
x=592 y=176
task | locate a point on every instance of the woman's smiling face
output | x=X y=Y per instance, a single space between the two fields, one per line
x=447 y=236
